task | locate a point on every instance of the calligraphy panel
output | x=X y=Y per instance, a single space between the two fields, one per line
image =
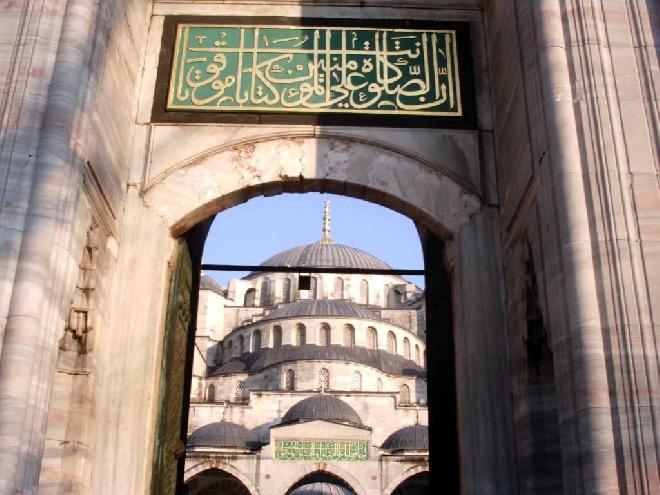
x=308 y=69
x=320 y=450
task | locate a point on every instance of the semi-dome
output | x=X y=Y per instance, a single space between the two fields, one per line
x=223 y=434
x=321 y=488
x=326 y=255
x=415 y=437
x=322 y=406
x=321 y=307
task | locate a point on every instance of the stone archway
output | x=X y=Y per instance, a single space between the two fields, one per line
x=214 y=480
x=409 y=473
x=333 y=470
x=207 y=465
x=211 y=180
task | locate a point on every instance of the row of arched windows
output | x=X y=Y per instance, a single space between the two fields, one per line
x=325 y=338
x=241 y=392
x=266 y=292
x=323 y=383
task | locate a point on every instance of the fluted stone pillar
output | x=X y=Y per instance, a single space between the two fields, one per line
x=37 y=309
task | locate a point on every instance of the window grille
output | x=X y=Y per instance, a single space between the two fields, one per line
x=301 y=337
x=324 y=379
x=356 y=383
x=372 y=338
x=391 y=343
x=277 y=336
x=290 y=380
x=265 y=292
x=406 y=348
x=256 y=340
x=339 y=288
x=286 y=290
x=241 y=392
x=364 y=292
x=404 y=395
x=324 y=335
x=349 y=336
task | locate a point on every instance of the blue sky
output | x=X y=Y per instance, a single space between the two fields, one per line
x=250 y=233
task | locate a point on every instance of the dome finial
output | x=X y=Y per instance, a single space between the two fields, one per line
x=325 y=239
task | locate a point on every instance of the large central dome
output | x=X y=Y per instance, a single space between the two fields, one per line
x=326 y=255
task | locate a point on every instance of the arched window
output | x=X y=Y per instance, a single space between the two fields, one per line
x=379 y=385
x=349 y=336
x=250 y=296
x=339 y=288
x=404 y=395
x=324 y=334
x=418 y=356
x=391 y=342
x=265 y=292
x=286 y=290
x=313 y=287
x=364 y=292
x=241 y=344
x=230 y=350
x=386 y=296
x=356 y=381
x=210 y=393
x=241 y=392
x=301 y=334
x=324 y=379
x=406 y=348
x=290 y=380
x=256 y=340
x=277 y=336
x=372 y=338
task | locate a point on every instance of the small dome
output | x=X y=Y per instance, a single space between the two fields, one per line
x=223 y=434
x=324 y=255
x=322 y=406
x=414 y=437
x=315 y=307
x=321 y=488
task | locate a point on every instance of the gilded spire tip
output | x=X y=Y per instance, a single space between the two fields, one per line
x=325 y=239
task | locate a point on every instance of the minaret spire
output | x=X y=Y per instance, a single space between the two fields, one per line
x=325 y=239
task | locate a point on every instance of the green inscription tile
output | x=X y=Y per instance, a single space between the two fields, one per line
x=314 y=450
x=315 y=70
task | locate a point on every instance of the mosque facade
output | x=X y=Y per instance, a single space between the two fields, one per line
x=307 y=379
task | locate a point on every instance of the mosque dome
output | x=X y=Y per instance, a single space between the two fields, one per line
x=318 y=307
x=321 y=488
x=223 y=434
x=322 y=406
x=326 y=255
x=415 y=437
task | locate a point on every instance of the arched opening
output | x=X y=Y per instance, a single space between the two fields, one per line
x=372 y=338
x=250 y=297
x=215 y=481
x=349 y=335
x=300 y=337
x=325 y=337
x=277 y=336
x=320 y=477
x=324 y=378
x=417 y=484
x=256 y=340
x=290 y=380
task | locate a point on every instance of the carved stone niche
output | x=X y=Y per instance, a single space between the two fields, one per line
x=76 y=340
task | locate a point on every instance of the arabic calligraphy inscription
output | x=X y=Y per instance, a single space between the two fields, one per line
x=315 y=69
x=320 y=450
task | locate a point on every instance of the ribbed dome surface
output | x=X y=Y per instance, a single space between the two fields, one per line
x=321 y=488
x=322 y=406
x=223 y=434
x=414 y=437
x=326 y=255
x=316 y=307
